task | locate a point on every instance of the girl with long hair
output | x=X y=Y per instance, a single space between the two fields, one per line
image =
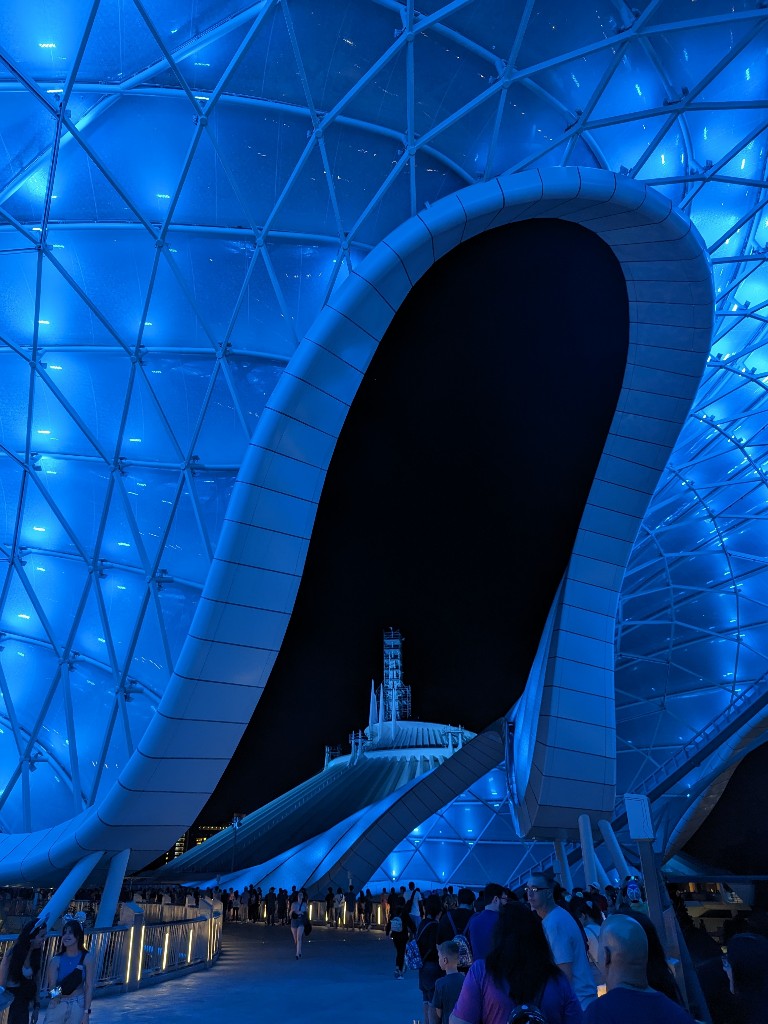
x=518 y=970
x=589 y=918
x=20 y=973
x=659 y=973
x=73 y=1004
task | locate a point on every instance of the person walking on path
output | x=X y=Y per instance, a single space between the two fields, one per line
x=299 y=911
x=270 y=901
x=400 y=927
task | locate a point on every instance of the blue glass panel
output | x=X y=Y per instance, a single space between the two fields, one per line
x=26 y=130
x=269 y=67
x=350 y=149
x=339 y=44
x=178 y=605
x=685 y=64
x=252 y=381
x=555 y=30
x=624 y=144
x=149 y=661
x=94 y=387
x=50 y=795
x=161 y=125
x=223 y=436
x=113 y=267
x=184 y=554
x=213 y=493
x=304 y=273
x=635 y=86
x=261 y=325
x=307 y=206
x=744 y=78
x=714 y=137
x=468 y=142
x=17 y=289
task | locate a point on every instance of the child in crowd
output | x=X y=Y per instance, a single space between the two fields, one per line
x=447 y=988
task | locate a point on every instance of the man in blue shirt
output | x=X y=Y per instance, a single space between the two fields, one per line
x=482 y=926
x=630 y=999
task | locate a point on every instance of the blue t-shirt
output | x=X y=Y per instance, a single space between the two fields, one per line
x=480 y=933
x=447 y=991
x=633 y=1006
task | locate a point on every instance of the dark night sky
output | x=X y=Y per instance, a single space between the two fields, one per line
x=451 y=502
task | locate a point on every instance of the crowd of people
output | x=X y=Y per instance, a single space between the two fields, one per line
x=540 y=953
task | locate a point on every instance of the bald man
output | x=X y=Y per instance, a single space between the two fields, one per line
x=630 y=999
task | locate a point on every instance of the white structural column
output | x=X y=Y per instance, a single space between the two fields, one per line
x=243 y=614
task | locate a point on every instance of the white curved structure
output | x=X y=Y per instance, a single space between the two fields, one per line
x=243 y=613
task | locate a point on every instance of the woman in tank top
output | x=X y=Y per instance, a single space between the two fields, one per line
x=299 y=909
x=72 y=955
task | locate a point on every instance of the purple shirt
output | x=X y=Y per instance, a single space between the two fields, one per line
x=482 y=1000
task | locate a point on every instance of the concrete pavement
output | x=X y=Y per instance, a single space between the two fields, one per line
x=344 y=977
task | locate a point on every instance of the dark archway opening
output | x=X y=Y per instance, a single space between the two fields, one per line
x=452 y=500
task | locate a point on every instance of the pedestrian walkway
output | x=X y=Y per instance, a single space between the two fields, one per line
x=343 y=976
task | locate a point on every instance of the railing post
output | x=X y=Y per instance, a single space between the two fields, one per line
x=132 y=915
x=203 y=935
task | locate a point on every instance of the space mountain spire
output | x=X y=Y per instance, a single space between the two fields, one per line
x=394 y=696
x=373 y=714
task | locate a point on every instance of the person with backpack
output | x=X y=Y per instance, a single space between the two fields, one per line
x=400 y=927
x=454 y=927
x=519 y=982
x=415 y=903
x=426 y=939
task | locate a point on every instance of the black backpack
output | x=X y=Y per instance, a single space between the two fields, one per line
x=528 y=1013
